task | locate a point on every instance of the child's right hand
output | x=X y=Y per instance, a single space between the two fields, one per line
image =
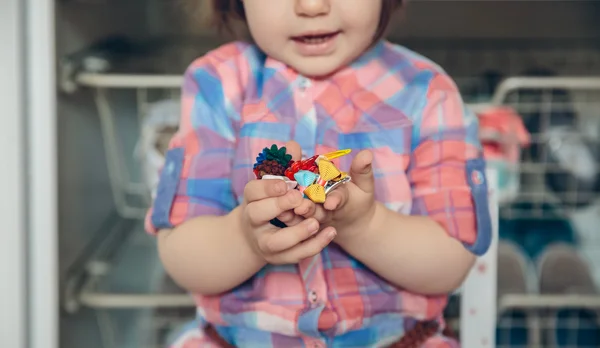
x=265 y=200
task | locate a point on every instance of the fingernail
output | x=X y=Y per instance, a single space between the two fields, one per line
x=331 y=234
x=298 y=199
x=281 y=187
x=313 y=226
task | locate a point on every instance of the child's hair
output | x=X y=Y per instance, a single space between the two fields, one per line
x=226 y=15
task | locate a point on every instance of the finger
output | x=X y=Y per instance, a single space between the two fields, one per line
x=361 y=171
x=309 y=209
x=257 y=190
x=336 y=198
x=264 y=210
x=314 y=211
x=272 y=243
x=290 y=218
x=306 y=209
x=321 y=214
x=294 y=149
x=308 y=248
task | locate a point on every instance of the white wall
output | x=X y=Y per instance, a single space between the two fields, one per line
x=12 y=193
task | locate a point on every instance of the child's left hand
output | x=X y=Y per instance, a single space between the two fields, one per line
x=349 y=208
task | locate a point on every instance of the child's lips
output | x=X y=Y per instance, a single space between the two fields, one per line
x=316 y=44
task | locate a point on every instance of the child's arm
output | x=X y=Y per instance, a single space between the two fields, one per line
x=412 y=252
x=208 y=254
x=432 y=250
x=199 y=241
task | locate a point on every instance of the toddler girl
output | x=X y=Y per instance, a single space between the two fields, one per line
x=374 y=264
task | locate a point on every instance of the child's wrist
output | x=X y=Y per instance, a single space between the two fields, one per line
x=244 y=236
x=236 y=225
x=368 y=224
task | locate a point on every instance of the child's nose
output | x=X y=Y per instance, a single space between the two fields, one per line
x=312 y=8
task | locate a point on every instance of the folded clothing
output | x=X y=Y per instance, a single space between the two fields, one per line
x=503 y=135
x=158 y=127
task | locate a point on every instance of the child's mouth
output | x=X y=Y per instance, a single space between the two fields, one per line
x=315 y=39
x=316 y=44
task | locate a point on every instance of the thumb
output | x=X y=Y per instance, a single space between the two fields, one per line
x=294 y=149
x=361 y=171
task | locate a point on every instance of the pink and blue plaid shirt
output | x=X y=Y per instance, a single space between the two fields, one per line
x=427 y=161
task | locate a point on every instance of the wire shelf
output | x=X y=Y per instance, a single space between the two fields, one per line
x=131 y=196
x=135 y=302
x=561 y=167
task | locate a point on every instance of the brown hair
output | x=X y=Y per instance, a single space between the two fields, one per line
x=228 y=15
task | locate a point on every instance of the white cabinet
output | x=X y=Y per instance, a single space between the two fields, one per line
x=28 y=201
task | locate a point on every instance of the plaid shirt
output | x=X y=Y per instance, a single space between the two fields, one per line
x=427 y=161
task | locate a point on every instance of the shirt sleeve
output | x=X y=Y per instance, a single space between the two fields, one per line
x=195 y=178
x=447 y=171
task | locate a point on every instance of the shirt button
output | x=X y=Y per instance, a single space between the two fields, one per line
x=312 y=296
x=315 y=344
x=304 y=84
x=477 y=177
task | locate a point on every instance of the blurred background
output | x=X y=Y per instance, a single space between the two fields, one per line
x=90 y=94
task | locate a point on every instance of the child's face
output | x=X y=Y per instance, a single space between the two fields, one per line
x=315 y=37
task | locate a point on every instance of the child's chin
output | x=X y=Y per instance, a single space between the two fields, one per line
x=316 y=66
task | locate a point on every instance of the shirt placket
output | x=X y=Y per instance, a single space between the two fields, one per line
x=306 y=127
x=311 y=269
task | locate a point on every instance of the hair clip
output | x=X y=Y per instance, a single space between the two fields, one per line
x=315 y=177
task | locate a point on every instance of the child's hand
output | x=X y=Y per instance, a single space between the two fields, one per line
x=264 y=200
x=349 y=208
x=353 y=205
x=307 y=208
